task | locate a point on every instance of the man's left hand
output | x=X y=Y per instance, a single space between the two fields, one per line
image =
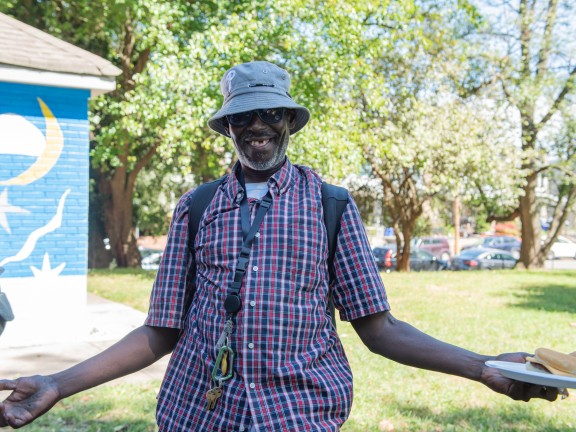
x=516 y=390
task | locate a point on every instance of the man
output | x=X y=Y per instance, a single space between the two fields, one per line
x=255 y=348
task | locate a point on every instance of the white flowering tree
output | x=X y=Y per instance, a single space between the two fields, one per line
x=527 y=58
x=453 y=149
x=367 y=193
x=401 y=109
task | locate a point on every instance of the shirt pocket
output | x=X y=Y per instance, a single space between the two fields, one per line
x=308 y=277
x=207 y=313
x=308 y=259
x=205 y=284
x=209 y=296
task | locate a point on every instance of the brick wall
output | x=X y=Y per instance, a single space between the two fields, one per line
x=61 y=166
x=44 y=161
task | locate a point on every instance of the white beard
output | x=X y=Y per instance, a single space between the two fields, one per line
x=263 y=165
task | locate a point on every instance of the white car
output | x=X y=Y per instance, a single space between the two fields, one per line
x=562 y=248
x=150 y=258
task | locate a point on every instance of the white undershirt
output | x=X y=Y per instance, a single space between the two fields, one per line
x=256 y=190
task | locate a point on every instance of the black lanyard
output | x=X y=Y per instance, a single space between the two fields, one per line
x=233 y=304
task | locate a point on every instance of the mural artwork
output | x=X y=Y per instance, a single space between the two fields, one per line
x=43 y=189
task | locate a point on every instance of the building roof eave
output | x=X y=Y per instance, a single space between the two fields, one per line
x=25 y=46
x=96 y=84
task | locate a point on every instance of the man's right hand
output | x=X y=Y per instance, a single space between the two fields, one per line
x=33 y=396
x=30 y=398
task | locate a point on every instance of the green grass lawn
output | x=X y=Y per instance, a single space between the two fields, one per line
x=488 y=312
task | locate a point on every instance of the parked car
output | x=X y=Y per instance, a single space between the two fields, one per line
x=562 y=248
x=383 y=256
x=150 y=258
x=481 y=258
x=507 y=243
x=437 y=246
x=420 y=259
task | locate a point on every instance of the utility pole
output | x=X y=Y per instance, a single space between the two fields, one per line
x=456 y=212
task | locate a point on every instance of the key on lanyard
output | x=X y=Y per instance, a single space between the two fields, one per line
x=212 y=396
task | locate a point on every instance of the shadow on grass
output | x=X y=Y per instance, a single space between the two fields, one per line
x=419 y=418
x=94 y=416
x=65 y=425
x=62 y=425
x=137 y=272
x=55 y=423
x=550 y=298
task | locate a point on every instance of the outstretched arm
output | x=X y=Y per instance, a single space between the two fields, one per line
x=33 y=396
x=399 y=341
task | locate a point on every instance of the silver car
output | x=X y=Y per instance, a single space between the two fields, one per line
x=481 y=258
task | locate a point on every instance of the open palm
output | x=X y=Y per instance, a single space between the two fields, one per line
x=30 y=398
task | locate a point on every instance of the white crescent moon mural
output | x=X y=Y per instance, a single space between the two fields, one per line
x=49 y=156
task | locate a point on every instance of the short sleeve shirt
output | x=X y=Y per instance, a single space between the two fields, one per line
x=290 y=369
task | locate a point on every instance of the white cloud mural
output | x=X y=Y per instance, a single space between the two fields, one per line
x=19 y=136
x=48 y=154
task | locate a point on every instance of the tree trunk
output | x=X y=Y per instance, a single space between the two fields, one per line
x=403 y=258
x=456 y=210
x=98 y=255
x=117 y=194
x=410 y=208
x=530 y=256
x=405 y=207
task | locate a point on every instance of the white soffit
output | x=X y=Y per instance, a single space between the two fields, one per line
x=96 y=84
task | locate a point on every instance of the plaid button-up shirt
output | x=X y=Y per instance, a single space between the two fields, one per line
x=291 y=372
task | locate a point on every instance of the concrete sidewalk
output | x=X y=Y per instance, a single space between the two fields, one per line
x=108 y=322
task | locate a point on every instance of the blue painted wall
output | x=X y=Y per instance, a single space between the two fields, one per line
x=29 y=210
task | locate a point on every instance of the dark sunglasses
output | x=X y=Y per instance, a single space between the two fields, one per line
x=268 y=116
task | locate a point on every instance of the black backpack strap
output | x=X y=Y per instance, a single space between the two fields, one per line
x=199 y=201
x=198 y=204
x=334 y=202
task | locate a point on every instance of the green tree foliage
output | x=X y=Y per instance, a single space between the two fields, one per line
x=366 y=190
x=382 y=79
x=137 y=120
x=172 y=55
x=398 y=94
x=526 y=59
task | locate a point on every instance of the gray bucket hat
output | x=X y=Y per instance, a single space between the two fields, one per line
x=256 y=85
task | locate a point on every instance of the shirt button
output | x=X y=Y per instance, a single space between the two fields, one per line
x=257 y=235
x=252 y=303
x=252 y=385
x=242 y=429
x=250 y=345
x=255 y=268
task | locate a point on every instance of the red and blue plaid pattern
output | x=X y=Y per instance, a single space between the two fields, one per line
x=291 y=372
